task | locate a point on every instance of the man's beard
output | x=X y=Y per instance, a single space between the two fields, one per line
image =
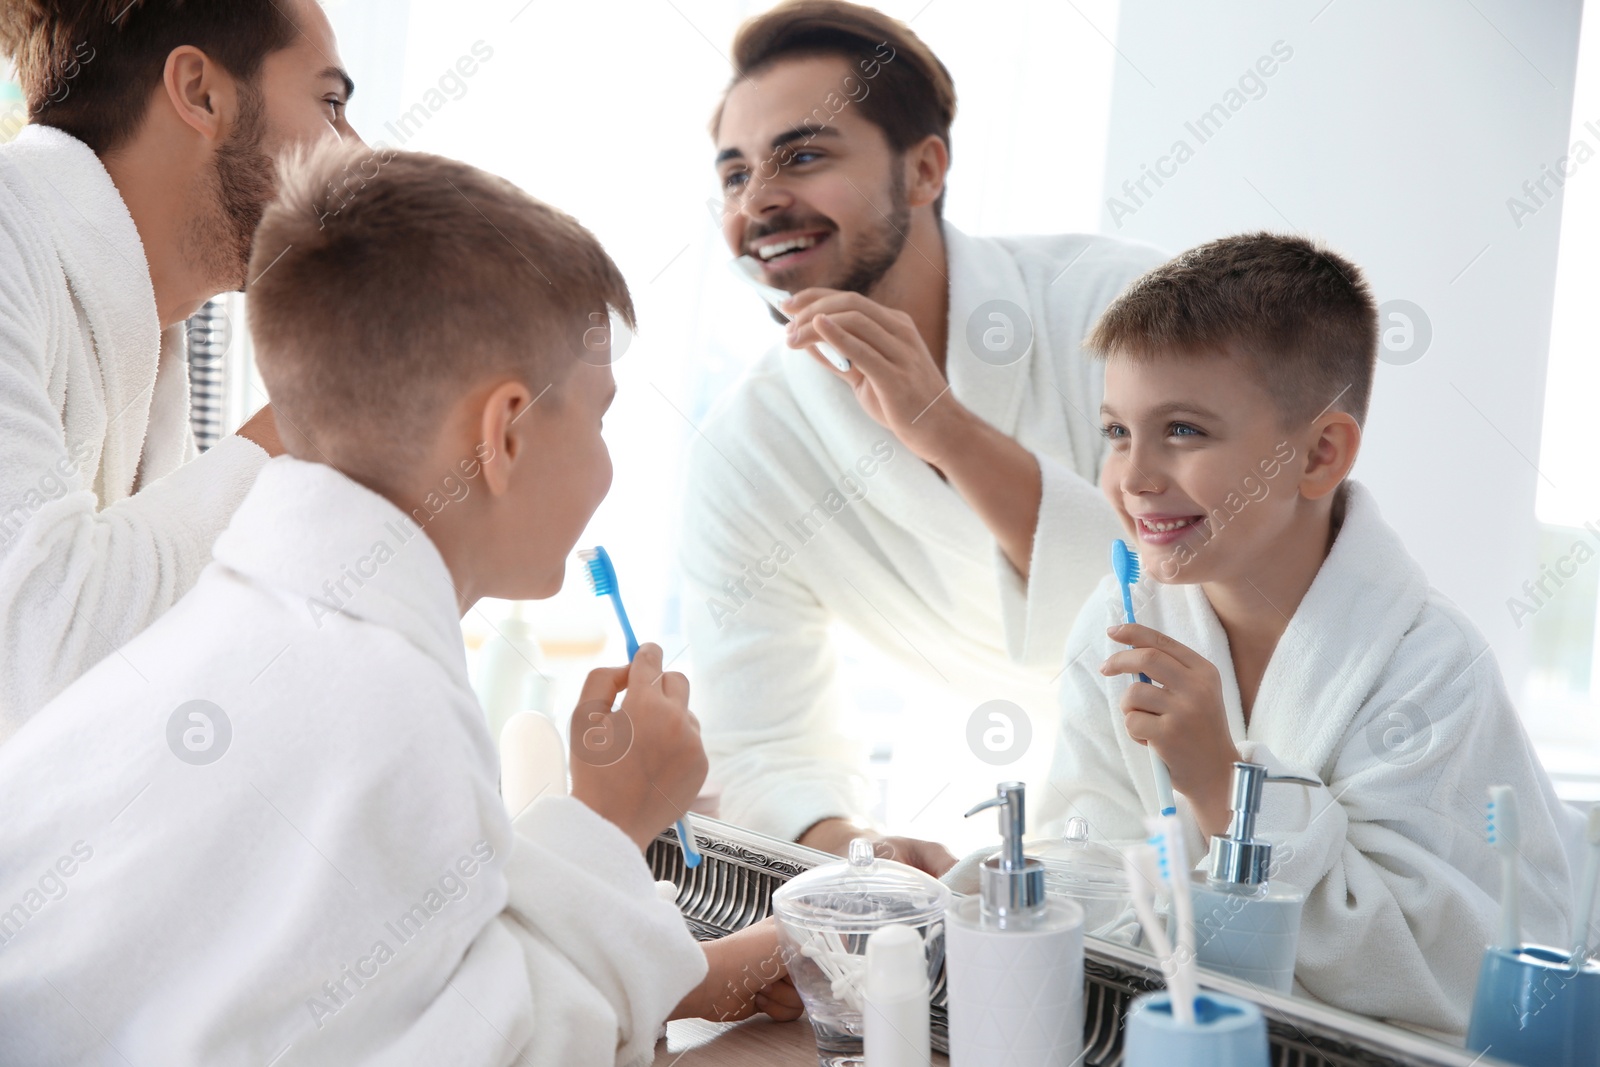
x=880 y=249
x=235 y=194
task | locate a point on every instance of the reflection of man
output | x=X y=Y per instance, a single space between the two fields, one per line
x=130 y=199
x=939 y=497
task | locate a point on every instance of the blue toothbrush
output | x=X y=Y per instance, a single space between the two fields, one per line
x=603 y=580
x=1125 y=564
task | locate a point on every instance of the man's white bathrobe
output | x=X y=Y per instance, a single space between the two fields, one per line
x=803 y=512
x=343 y=884
x=1381 y=689
x=104 y=522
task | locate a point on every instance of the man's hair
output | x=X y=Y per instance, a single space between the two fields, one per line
x=909 y=95
x=1301 y=315
x=89 y=67
x=387 y=284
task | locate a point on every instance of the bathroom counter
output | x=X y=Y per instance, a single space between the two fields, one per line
x=752 y=1043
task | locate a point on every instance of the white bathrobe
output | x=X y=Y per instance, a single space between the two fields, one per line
x=802 y=512
x=1381 y=689
x=343 y=884
x=104 y=522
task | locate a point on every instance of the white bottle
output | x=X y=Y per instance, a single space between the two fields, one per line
x=1014 y=959
x=511 y=675
x=895 y=1011
x=1245 y=926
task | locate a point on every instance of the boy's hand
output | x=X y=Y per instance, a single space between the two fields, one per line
x=642 y=765
x=746 y=975
x=895 y=378
x=1184 y=720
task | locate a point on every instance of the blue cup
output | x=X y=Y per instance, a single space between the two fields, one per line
x=1227 y=1032
x=1534 y=1008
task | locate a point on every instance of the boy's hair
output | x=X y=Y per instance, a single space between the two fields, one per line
x=1299 y=313
x=387 y=284
x=909 y=94
x=89 y=67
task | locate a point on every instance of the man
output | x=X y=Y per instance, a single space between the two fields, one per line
x=938 y=497
x=129 y=200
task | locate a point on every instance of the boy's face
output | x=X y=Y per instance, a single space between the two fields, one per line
x=811 y=188
x=565 y=476
x=1202 y=470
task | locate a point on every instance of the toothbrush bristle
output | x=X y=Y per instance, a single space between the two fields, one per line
x=1124 y=562
x=1501 y=816
x=595 y=571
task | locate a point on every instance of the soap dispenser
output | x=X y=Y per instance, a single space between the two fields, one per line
x=1014 y=959
x=1247 y=925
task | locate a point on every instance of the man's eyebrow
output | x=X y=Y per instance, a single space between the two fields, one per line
x=783 y=140
x=338 y=74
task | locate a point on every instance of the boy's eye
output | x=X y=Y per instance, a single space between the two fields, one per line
x=336 y=106
x=1183 y=429
x=1113 y=432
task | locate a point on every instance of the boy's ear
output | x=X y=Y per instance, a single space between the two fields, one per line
x=1336 y=440
x=203 y=97
x=503 y=437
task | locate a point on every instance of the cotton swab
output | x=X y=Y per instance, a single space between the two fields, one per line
x=1591 y=876
x=1505 y=834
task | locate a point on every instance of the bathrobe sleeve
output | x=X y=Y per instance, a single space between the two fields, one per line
x=76 y=581
x=1071 y=553
x=1090 y=771
x=620 y=967
x=1403 y=886
x=772 y=727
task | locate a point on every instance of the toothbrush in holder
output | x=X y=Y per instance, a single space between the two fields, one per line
x=603 y=580
x=1125 y=564
x=1505 y=834
x=1591 y=876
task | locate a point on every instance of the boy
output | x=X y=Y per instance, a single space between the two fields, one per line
x=268 y=829
x=1282 y=622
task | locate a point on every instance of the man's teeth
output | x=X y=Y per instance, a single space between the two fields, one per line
x=1166 y=527
x=794 y=244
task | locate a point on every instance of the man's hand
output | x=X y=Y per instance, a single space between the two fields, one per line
x=895 y=378
x=642 y=765
x=745 y=975
x=899 y=384
x=262 y=429
x=835 y=835
x=1181 y=716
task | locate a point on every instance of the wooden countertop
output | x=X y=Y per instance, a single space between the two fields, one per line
x=752 y=1043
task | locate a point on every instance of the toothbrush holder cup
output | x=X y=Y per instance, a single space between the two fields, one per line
x=1533 y=1007
x=1228 y=1032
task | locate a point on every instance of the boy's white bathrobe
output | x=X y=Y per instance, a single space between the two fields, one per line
x=104 y=521
x=343 y=885
x=1381 y=689
x=816 y=514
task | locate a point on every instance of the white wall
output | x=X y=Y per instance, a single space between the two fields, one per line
x=1396 y=132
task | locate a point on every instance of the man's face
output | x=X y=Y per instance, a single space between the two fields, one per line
x=811 y=188
x=299 y=97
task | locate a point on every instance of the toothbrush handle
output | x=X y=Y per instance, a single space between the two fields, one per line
x=1169 y=805
x=627 y=629
x=691 y=855
x=1510 y=911
x=1580 y=922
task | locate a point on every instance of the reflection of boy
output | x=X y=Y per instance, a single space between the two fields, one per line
x=327 y=867
x=1281 y=621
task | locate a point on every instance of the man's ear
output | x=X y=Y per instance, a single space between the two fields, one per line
x=203 y=96
x=1336 y=441
x=502 y=437
x=926 y=164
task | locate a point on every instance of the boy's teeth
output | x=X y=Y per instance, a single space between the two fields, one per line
x=795 y=244
x=1164 y=527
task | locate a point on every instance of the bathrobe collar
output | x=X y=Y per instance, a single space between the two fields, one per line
x=1370 y=590
x=336 y=549
x=103 y=258
x=980 y=271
